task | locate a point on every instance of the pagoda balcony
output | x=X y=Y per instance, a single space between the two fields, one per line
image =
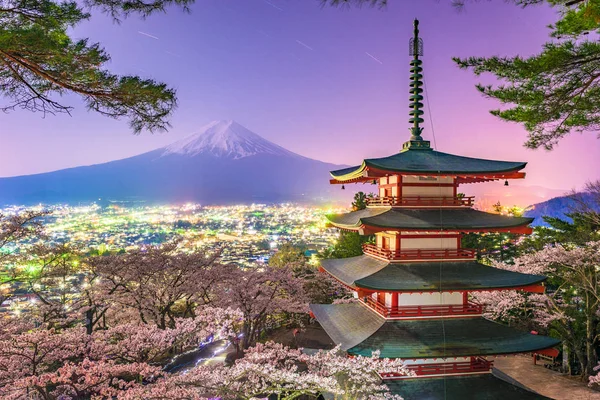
x=421 y=201
x=418 y=254
x=475 y=365
x=439 y=310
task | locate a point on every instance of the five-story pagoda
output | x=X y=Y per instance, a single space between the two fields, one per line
x=414 y=282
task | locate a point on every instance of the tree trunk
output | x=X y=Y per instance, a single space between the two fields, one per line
x=89 y=321
x=590 y=351
x=580 y=358
x=566 y=364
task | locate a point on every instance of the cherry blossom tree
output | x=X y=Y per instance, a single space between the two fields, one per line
x=571 y=304
x=259 y=294
x=272 y=369
x=595 y=379
x=53 y=278
x=107 y=326
x=14 y=231
x=159 y=283
x=52 y=363
x=138 y=342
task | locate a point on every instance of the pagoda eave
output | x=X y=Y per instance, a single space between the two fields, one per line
x=360 y=330
x=369 y=174
x=369 y=275
x=481 y=387
x=379 y=219
x=427 y=162
x=372 y=229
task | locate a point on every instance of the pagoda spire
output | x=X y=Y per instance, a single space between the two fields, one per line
x=416 y=50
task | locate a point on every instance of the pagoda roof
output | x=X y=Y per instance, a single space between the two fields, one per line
x=383 y=218
x=469 y=387
x=360 y=330
x=427 y=161
x=373 y=274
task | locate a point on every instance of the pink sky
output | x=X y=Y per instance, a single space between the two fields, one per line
x=326 y=83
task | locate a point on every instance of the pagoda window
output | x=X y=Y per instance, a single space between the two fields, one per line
x=428 y=243
x=439 y=360
x=427 y=299
x=386 y=241
x=389 y=299
x=428 y=186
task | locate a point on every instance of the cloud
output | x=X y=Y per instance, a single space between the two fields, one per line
x=147 y=34
x=304 y=44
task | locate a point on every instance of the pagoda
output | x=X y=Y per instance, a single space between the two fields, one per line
x=413 y=284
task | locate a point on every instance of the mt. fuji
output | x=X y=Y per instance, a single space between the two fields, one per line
x=226 y=139
x=223 y=163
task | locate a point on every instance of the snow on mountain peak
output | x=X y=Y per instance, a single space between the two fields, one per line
x=226 y=139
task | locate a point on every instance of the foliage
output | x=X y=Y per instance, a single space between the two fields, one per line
x=492 y=246
x=556 y=91
x=286 y=373
x=587 y=203
x=360 y=200
x=15 y=230
x=69 y=363
x=105 y=325
x=318 y=286
x=260 y=294
x=159 y=283
x=349 y=244
x=571 y=305
x=39 y=61
x=287 y=255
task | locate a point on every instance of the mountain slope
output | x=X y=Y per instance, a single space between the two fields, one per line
x=223 y=163
x=556 y=207
x=226 y=139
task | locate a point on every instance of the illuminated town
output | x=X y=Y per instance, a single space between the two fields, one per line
x=246 y=234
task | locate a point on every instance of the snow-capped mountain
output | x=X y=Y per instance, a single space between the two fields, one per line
x=225 y=139
x=223 y=163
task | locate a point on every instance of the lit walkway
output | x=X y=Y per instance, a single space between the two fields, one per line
x=544 y=381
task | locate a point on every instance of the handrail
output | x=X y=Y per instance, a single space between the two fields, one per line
x=441 y=310
x=417 y=254
x=421 y=201
x=476 y=364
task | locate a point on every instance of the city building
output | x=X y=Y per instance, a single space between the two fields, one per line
x=414 y=282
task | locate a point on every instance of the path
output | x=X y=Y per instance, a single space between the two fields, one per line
x=544 y=381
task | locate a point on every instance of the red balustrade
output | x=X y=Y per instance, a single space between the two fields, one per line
x=421 y=201
x=417 y=254
x=441 y=310
x=477 y=364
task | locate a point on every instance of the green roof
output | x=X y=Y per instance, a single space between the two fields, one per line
x=429 y=161
x=359 y=333
x=439 y=219
x=370 y=273
x=471 y=387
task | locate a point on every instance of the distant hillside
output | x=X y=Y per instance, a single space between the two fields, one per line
x=556 y=207
x=223 y=163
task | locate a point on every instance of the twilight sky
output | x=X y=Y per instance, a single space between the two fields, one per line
x=327 y=83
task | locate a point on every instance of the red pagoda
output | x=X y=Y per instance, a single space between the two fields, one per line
x=413 y=283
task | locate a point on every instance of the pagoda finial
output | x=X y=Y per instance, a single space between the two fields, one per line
x=416 y=50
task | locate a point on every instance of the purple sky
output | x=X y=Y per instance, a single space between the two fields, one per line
x=300 y=76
